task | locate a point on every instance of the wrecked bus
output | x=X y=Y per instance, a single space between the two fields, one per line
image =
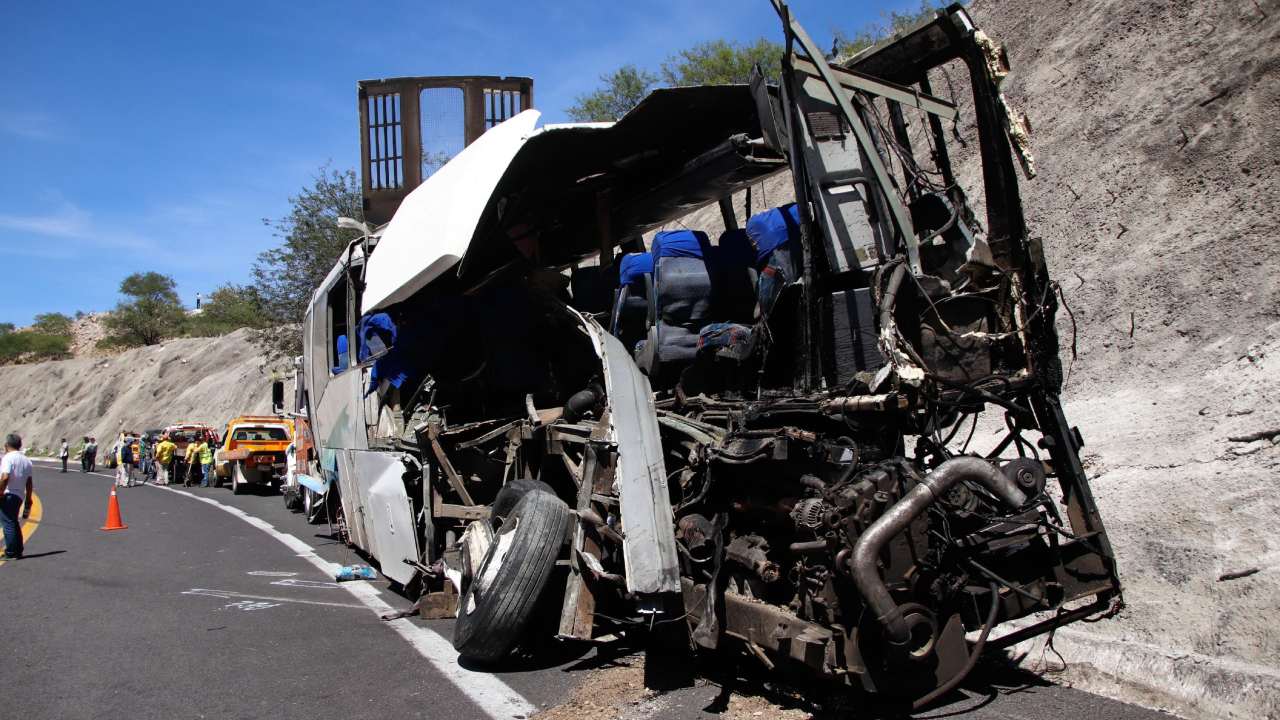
x=758 y=437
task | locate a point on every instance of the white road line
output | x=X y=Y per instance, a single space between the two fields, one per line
x=227 y=595
x=488 y=692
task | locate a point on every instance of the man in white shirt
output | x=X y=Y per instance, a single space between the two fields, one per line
x=15 y=488
x=64 y=453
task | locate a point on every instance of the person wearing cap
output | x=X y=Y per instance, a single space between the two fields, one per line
x=15 y=490
x=164 y=459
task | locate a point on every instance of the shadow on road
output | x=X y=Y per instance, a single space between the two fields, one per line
x=993 y=677
x=32 y=556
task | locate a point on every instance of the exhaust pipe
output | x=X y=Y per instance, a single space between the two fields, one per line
x=864 y=565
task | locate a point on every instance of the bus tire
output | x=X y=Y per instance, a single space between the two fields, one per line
x=499 y=603
x=507 y=498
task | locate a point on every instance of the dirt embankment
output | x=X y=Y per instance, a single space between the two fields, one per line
x=205 y=380
x=1158 y=143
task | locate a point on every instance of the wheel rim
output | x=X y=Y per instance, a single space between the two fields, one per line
x=488 y=571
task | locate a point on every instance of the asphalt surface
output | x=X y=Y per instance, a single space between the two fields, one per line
x=194 y=612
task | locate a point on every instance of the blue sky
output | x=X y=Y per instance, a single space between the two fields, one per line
x=157 y=135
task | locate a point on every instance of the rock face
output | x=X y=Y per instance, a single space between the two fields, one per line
x=1157 y=143
x=208 y=380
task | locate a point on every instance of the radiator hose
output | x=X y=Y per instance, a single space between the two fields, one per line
x=901 y=626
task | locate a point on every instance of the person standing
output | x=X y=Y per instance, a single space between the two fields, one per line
x=15 y=489
x=144 y=458
x=164 y=459
x=206 y=463
x=63 y=453
x=124 y=470
x=119 y=457
x=91 y=452
x=192 y=458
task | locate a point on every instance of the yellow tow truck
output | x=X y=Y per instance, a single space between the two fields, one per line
x=253 y=451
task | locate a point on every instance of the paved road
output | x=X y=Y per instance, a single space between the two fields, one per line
x=225 y=608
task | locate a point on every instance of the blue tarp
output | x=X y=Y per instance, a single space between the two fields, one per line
x=772 y=229
x=378 y=335
x=315 y=485
x=679 y=243
x=633 y=267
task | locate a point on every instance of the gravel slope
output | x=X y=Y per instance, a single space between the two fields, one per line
x=206 y=380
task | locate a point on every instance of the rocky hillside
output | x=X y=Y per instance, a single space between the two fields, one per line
x=1157 y=142
x=207 y=380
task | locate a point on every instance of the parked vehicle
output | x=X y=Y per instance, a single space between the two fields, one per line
x=253 y=452
x=182 y=434
x=769 y=460
x=299 y=457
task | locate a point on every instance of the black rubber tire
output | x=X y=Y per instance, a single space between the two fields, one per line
x=504 y=607
x=510 y=495
x=292 y=501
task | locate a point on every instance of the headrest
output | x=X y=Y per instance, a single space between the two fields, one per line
x=679 y=243
x=633 y=267
x=772 y=229
x=736 y=249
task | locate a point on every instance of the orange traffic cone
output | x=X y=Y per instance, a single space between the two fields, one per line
x=114 y=522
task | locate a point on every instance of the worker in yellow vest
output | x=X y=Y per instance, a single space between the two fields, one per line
x=164 y=459
x=206 y=463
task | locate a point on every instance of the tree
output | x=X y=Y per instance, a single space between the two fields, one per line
x=721 y=63
x=623 y=89
x=6 y=328
x=52 y=324
x=286 y=275
x=717 y=62
x=150 y=313
x=229 y=308
x=847 y=46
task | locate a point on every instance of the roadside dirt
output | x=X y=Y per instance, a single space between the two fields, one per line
x=617 y=692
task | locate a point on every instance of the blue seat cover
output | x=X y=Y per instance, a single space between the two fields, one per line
x=679 y=243
x=773 y=229
x=633 y=267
